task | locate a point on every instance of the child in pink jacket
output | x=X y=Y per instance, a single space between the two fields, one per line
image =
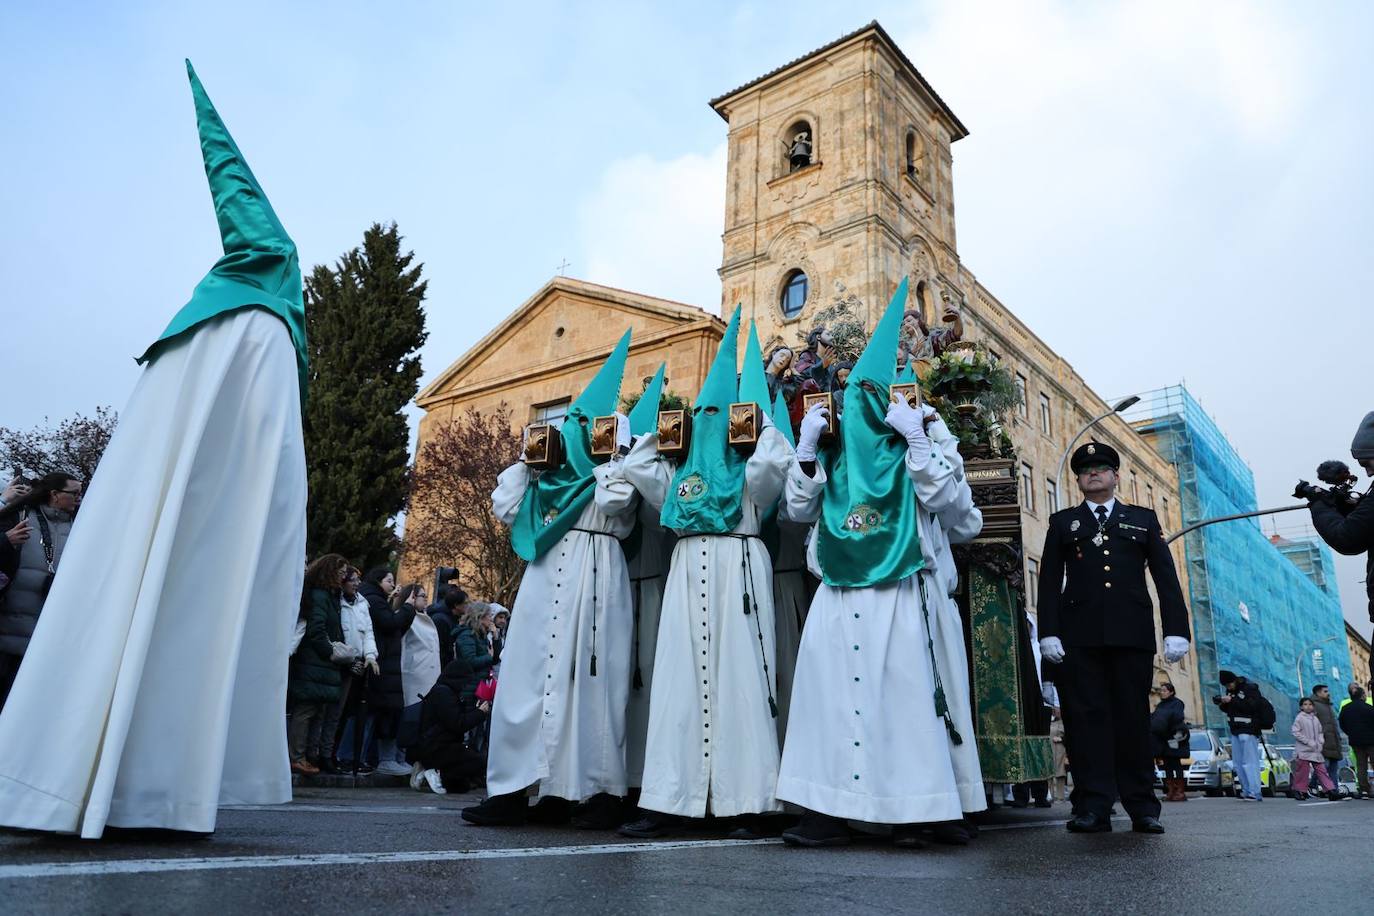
x=1307 y=731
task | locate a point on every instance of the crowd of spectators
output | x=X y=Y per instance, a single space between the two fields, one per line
x=381 y=681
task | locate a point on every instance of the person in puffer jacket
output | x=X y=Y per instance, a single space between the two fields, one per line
x=445 y=718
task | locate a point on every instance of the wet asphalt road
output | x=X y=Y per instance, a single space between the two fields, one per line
x=394 y=851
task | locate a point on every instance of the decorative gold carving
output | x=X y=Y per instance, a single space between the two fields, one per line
x=603 y=436
x=674 y=433
x=746 y=421
x=543 y=447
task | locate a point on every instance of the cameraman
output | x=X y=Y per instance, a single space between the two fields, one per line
x=1241 y=705
x=1347 y=528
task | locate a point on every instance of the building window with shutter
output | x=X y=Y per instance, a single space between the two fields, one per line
x=1045 y=425
x=1032 y=580
x=1027 y=488
x=1051 y=496
x=551 y=413
x=1021 y=390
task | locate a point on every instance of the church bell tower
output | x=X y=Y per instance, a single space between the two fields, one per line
x=838 y=184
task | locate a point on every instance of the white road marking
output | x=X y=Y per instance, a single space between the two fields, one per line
x=351 y=809
x=221 y=863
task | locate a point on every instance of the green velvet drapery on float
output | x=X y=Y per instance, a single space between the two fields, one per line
x=1011 y=721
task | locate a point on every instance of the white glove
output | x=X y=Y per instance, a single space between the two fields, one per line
x=372 y=665
x=1175 y=647
x=1049 y=694
x=910 y=423
x=813 y=424
x=622 y=431
x=1052 y=650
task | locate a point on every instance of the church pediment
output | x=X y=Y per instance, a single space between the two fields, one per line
x=564 y=322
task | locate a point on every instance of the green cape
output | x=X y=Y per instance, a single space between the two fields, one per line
x=555 y=499
x=867 y=533
x=708 y=489
x=259 y=268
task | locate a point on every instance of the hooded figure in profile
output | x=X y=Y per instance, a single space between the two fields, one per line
x=558 y=721
x=154 y=686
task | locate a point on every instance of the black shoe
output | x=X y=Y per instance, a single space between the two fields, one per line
x=651 y=825
x=509 y=810
x=817 y=830
x=908 y=836
x=551 y=811
x=1147 y=824
x=761 y=826
x=1044 y=803
x=1018 y=803
x=1089 y=823
x=602 y=811
x=951 y=833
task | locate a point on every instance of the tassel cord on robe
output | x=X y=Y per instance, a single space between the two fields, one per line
x=941 y=703
x=747 y=567
x=596 y=609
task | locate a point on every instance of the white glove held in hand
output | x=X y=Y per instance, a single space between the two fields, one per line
x=909 y=422
x=622 y=431
x=1049 y=694
x=1051 y=649
x=1175 y=647
x=812 y=425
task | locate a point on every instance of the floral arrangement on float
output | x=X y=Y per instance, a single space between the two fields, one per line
x=975 y=394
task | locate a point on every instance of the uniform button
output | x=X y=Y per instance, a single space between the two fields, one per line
x=1106 y=569
x=856 y=775
x=705 y=740
x=550 y=655
x=703 y=651
x=856 y=744
x=856 y=648
x=1109 y=585
x=856 y=712
x=856 y=616
x=1106 y=553
x=856 y=680
x=707 y=754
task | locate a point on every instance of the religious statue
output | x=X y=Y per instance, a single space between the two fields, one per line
x=920 y=344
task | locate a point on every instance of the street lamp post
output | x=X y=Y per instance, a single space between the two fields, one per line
x=1121 y=405
x=1303 y=654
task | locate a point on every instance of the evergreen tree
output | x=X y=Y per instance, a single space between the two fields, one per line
x=365 y=324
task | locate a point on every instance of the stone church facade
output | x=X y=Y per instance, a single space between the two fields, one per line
x=839 y=183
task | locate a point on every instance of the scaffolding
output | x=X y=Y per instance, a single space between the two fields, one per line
x=1268 y=610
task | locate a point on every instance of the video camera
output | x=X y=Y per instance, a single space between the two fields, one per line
x=1341 y=493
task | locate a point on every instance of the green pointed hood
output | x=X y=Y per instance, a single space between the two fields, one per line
x=783 y=420
x=722 y=383
x=708 y=489
x=644 y=415
x=753 y=384
x=555 y=499
x=259 y=268
x=867 y=533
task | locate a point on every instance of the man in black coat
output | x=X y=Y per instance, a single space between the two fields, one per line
x=1100 y=633
x=1357 y=721
x=1351 y=531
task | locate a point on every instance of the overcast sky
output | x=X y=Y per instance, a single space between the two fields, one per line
x=1163 y=191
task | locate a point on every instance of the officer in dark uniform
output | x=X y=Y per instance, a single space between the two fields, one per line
x=1098 y=628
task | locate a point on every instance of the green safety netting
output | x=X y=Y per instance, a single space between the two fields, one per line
x=1267 y=610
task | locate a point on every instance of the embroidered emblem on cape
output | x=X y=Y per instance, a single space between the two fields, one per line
x=550 y=516
x=862 y=519
x=692 y=488
x=1075 y=526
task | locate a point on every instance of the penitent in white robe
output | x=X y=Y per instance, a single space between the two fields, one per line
x=791 y=599
x=713 y=741
x=648 y=572
x=553 y=722
x=865 y=743
x=154 y=686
